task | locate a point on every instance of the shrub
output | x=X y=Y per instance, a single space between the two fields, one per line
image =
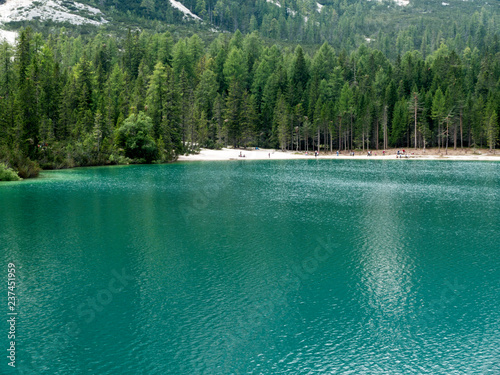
x=119 y=159
x=135 y=136
x=7 y=174
x=27 y=168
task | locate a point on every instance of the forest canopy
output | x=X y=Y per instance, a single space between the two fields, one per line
x=72 y=101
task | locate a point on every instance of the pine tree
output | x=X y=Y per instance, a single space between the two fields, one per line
x=343 y=107
x=206 y=91
x=249 y=118
x=439 y=112
x=281 y=122
x=28 y=107
x=400 y=123
x=218 y=118
x=299 y=76
x=156 y=98
x=491 y=124
x=233 y=113
x=235 y=68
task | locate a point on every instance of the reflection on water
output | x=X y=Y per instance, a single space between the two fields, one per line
x=257 y=267
x=385 y=266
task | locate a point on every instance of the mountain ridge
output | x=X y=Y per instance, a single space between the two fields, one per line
x=391 y=26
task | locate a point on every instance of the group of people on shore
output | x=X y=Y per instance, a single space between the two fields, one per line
x=399 y=153
x=316 y=153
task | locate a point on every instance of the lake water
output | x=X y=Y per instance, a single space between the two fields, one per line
x=265 y=267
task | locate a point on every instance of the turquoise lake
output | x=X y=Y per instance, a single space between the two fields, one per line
x=255 y=267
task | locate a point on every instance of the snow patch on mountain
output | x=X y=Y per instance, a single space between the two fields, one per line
x=402 y=3
x=177 y=5
x=277 y=3
x=8 y=36
x=55 y=10
x=274 y=2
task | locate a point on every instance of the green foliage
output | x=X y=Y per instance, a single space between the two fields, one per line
x=25 y=167
x=71 y=101
x=491 y=124
x=345 y=25
x=235 y=67
x=135 y=136
x=400 y=123
x=7 y=174
x=281 y=122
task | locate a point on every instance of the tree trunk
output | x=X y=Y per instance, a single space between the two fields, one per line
x=455 y=136
x=325 y=139
x=192 y=137
x=340 y=134
x=416 y=107
x=461 y=131
x=351 y=131
x=298 y=141
x=319 y=135
x=447 y=133
x=469 y=132
x=386 y=143
x=439 y=136
x=408 y=136
x=367 y=137
x=331 y=141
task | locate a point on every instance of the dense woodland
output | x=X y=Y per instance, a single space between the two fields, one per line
x=390 y=28
x=72 y=101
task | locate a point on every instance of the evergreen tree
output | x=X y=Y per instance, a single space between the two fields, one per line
x=400 y=123
x=491 y=127
x=281 y=122
x=439 y=113
x=233 y=113
x=299 y=76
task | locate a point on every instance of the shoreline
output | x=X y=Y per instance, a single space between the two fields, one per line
x=229 y=154
x=271 y=154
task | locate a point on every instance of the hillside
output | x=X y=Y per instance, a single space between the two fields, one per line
x=115 y=85
x=63 y=12
x=393 y=27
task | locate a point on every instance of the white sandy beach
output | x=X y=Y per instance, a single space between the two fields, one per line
x=271 y=154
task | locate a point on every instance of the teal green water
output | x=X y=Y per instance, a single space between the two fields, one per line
x=266 y=267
